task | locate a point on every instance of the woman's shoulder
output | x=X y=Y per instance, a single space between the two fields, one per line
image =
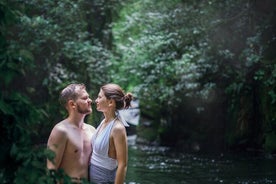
x=118 y=130
x=118 y=126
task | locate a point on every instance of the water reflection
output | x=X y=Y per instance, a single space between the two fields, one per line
x=158 y=165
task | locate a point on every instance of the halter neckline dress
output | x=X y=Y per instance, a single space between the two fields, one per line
x=102 y=167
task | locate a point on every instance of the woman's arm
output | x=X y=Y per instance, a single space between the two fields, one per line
x=120 y=143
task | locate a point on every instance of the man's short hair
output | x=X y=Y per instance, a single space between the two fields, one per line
x=70 y=93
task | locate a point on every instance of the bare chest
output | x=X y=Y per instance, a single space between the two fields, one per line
x=79 y=142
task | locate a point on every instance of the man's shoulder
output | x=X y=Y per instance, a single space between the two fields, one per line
x=60 y=127
x=90 y=127
x=58 y=134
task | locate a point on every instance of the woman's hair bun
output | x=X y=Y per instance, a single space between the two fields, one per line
x=127 y=98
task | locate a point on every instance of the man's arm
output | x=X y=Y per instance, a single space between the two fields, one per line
x=57 y=143
x=92 y=130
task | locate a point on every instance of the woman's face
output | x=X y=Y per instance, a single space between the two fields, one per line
x=102 y=102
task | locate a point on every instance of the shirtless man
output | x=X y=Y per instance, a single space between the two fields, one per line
x=70 y=139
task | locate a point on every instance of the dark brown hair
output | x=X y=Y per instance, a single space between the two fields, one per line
x=115 y=92
x=70 y=93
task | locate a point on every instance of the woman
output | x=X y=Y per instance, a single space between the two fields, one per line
x=108 y=162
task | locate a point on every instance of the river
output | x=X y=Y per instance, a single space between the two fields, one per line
x=161 y=165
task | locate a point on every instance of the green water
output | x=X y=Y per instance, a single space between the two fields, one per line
x=160 y=165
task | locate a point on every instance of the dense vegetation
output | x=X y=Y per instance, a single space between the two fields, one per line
x=204 y=71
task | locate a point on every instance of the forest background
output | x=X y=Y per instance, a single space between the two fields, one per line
x=204 y=72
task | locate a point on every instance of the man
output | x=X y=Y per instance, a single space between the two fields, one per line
x=70 y=139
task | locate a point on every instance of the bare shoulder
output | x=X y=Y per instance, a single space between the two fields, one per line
x=59 y=128
x=118 y=127
x=89 y=127
x=58 y=133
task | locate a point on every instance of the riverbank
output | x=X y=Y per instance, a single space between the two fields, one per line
x=148 y=134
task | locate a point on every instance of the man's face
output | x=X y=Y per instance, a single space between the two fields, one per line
x=83 y=102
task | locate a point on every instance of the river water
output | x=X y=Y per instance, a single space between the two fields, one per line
x=161 y=165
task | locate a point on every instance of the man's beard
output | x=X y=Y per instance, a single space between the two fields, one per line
x=83 y=110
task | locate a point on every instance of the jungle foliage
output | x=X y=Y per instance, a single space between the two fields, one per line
x=44 y=46
x=204 y=71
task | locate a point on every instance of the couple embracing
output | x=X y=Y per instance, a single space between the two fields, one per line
x=83 y=152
